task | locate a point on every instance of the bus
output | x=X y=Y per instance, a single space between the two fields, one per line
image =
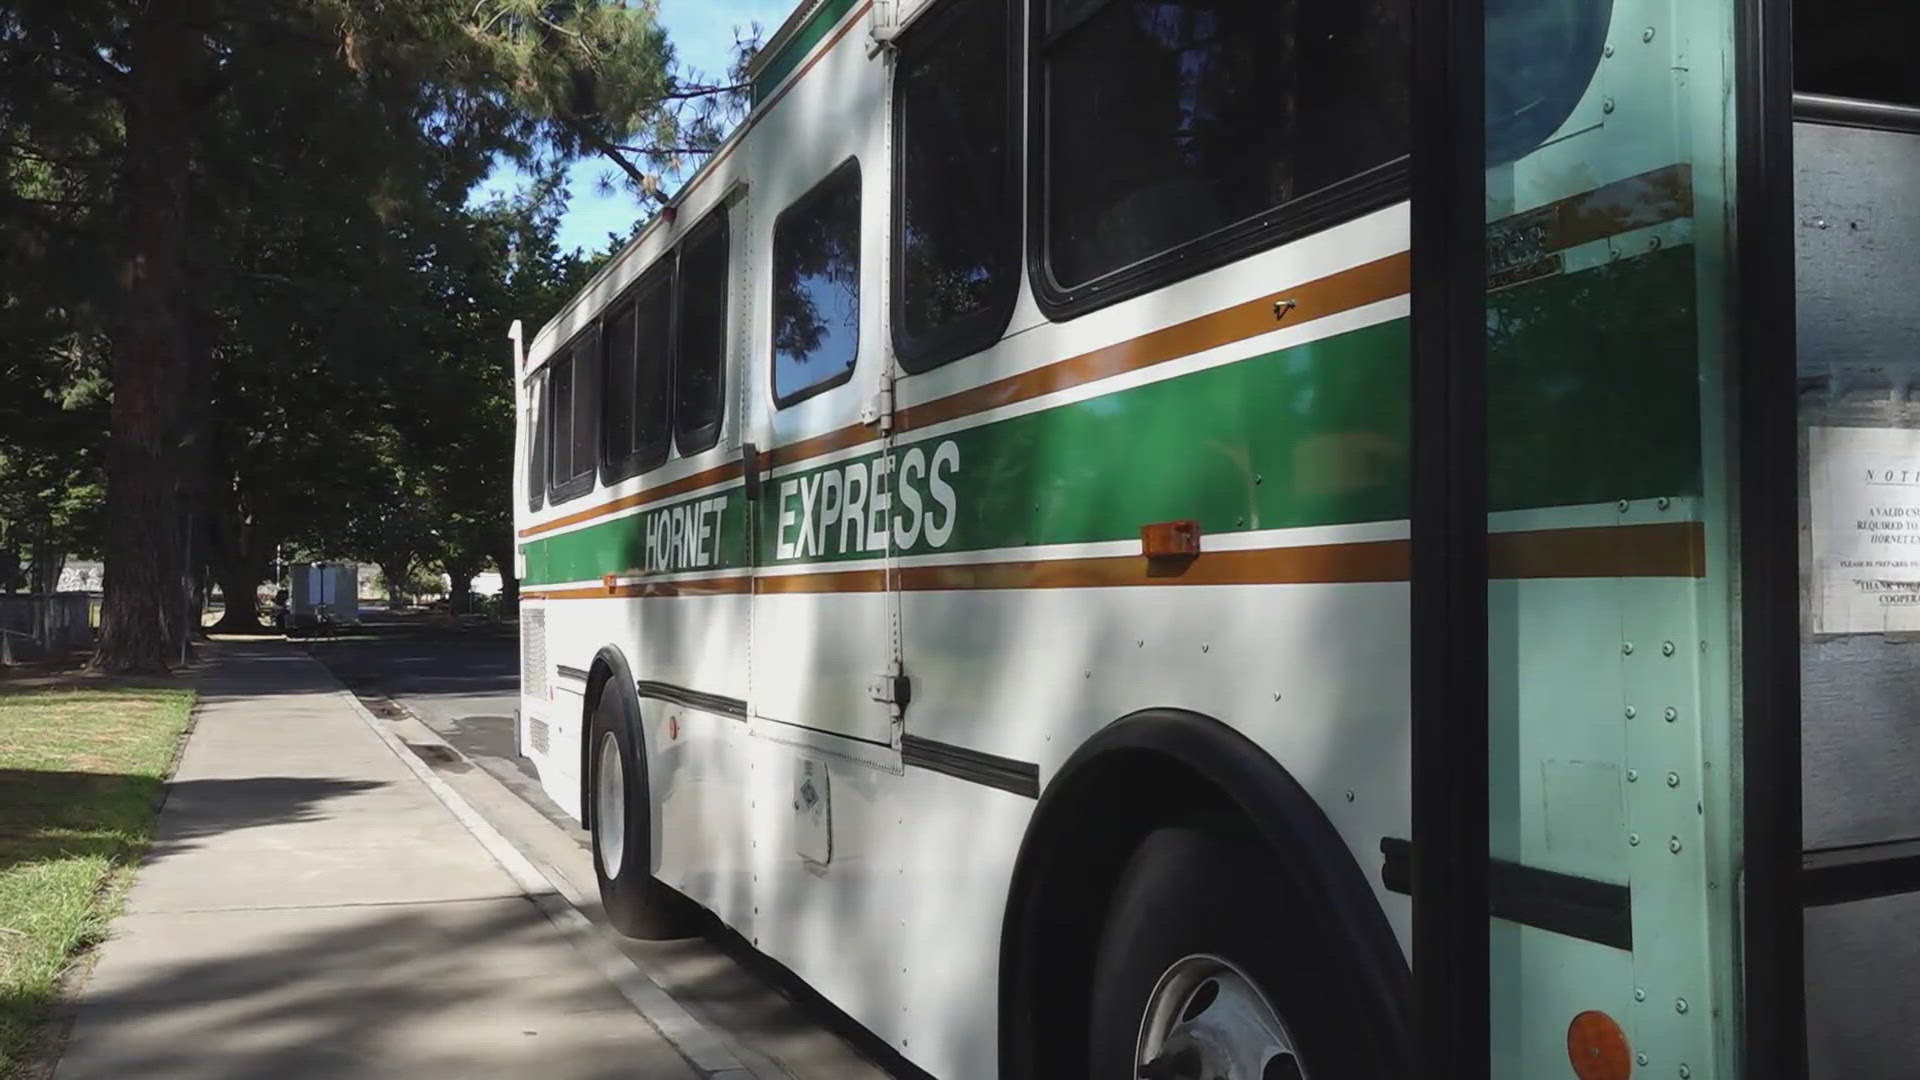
x=1095 y=532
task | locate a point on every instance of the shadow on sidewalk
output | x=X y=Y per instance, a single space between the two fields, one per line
x=50 y=815
x=428 y=991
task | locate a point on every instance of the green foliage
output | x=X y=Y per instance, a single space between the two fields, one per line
x=344 y=307
x=83 y=774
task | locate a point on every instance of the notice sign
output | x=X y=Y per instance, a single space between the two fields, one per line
x=1864 y=486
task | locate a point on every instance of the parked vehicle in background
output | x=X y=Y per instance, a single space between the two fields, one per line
x=329 y=589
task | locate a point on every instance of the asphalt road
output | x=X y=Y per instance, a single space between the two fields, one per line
x=464 y=685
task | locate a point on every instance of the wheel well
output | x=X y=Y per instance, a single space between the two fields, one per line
x=1143 y=772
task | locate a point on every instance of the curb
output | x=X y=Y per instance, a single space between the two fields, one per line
x=703 y=1049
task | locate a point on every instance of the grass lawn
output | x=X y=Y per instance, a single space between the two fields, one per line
x=80 y=770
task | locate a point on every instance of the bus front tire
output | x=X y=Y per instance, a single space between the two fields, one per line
x=1199 y=974
x=637 y=904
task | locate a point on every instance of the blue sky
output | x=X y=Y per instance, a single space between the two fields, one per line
x=702 y=32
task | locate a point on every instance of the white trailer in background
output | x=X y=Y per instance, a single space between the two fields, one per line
x=332 y=587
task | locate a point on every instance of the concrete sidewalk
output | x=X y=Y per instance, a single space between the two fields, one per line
x=311 y=909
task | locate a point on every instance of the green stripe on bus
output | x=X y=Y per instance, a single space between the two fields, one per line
x=703 y=533
x=1317 y=434
x=782 y=63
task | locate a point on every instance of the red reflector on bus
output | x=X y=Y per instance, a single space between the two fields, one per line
x=1598 y=1048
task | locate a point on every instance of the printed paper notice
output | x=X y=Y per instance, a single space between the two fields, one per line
x=1865 y=495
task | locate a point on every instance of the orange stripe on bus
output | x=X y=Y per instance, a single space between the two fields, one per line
x=699 y=587
x=1667 y=550
x=655 y=493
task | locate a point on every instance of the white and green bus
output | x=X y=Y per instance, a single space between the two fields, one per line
x=1204 y=538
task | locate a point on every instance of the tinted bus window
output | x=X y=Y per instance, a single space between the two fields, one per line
x=653 y=315
x=700 y=352
x=537 y=440
x=571 y=419
x=616 y=422
x=816 y=287
x=1166 y=122
x=957 y=234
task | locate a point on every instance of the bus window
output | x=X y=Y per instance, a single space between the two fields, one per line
x=536 y=440
x=570 y=418
x=616 y=418
x=637 y=374
x=1856 y=49
x=956 y=238
x=816 y=287
x=1228 y=111
x=700 y=332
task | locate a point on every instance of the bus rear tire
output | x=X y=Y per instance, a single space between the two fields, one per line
x=636 y=903
x=1200 y=973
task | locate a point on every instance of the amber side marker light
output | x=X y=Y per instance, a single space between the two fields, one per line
x=1598 y=1048
x=1170 y=540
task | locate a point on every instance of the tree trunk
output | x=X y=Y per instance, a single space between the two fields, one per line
x=459 y=593
x=44 y=566
x=142 y=619
x=240 y=585
x=396 y=577
x=509 y=586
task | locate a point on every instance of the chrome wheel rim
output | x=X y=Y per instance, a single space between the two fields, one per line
x=610 y=807
x=1205 y=1020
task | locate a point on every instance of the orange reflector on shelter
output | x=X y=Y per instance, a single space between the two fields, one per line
x=1598 y=1048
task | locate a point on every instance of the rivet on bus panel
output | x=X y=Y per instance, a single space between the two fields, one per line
x=1626 y=647
x=1631 y=711
x=1672 y=714
x=1666 y=648
x=1673 y=845
x=1607 y=52
x=1632 y=775
x=1685 y=1072
x=1633 y=839
x=1640 y=1058
x=1640 y=994
x=1662 y=502
x=1680 y=1005
x=1647 y=34
x=1673 y=779
x=1607 y=106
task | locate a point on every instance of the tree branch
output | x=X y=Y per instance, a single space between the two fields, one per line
x=665 y=149
x=611 y=151
x=705 y=91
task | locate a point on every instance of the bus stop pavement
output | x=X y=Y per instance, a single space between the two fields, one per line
x=311 y=906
